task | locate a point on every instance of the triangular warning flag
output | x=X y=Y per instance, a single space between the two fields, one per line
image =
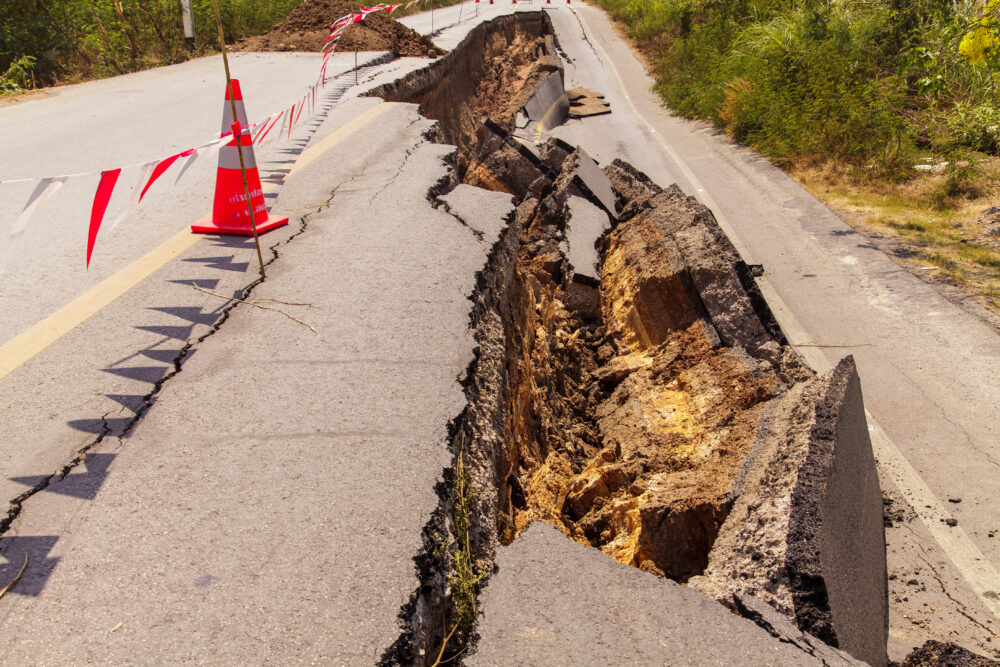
x=43 y=191
x=101 y=199
x=270 y=127
x=136 y=195
x=192 y=155
x=162 y=167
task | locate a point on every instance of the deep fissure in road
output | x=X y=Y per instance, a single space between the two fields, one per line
x=641 y=400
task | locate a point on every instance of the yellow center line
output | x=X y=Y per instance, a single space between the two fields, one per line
x=339 y=135
x=28 y=344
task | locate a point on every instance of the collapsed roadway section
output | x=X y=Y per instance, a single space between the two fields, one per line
x=551 y=385
x=631 y=388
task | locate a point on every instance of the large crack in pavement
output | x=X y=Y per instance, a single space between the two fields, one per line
x=629 y=387
x=640 y=398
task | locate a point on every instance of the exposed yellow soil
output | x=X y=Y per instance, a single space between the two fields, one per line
x=643 y=469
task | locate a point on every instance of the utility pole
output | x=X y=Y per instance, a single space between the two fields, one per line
x=187 y=15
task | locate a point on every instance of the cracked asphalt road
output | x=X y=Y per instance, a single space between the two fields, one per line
x=928 y=367
x=124 y=535
x=251 y=503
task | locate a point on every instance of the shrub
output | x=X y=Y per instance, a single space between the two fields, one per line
x=17 y=77
x=976 y=126
x=864 y=83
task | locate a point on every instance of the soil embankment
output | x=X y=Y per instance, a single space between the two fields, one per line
x=308 y=26
x=643 y=402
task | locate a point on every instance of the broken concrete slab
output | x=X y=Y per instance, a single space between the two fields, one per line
x=530 y=146
x=585 y=103
x=579 y=92
x=556 y=602
x=714 y=265
x=501 y=162
x=484 y=211
x=585 y=225
x=806 y=532
x=779 y=626
x=590 y=176
x=548 y=106
x=587 y=107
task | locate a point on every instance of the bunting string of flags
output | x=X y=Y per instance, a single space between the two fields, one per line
x=152 y=170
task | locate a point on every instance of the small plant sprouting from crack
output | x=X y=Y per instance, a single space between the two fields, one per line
x=466 y=577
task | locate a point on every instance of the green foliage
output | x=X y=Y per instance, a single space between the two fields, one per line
x=73 y=39
x=862 y=82
x=466 y=577
x=17 y=78
x=976 y=126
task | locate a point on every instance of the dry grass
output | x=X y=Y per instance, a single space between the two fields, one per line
x=936 y=225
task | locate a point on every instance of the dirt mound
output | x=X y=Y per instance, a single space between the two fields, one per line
x=308 y=26
x=946 y=655
x=381 y=32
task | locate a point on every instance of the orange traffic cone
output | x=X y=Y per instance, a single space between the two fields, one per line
x=229 y=212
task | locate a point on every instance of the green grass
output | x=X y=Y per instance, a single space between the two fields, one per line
x=466 y=578
x=909 y=226
x=984 y=256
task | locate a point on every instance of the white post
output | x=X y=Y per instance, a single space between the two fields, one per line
x=187 y=14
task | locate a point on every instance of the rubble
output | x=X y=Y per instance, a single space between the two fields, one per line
x=638 y=395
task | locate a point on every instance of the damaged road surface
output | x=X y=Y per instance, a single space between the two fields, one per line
x=502 y=403
x=632 y=390
x=271 y=503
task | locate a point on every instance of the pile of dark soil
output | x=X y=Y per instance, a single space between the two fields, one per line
x=308 y=26
x=941 y=654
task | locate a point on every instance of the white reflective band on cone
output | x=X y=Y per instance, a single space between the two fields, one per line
x=229 y=157
x=227 y=116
